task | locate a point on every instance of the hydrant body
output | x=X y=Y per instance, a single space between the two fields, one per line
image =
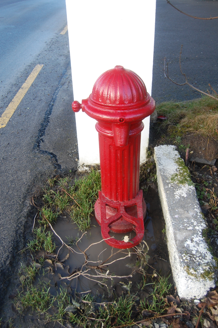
x=119 y=169
x=119 y=102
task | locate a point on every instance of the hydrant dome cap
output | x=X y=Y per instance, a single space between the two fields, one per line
x=119 y=88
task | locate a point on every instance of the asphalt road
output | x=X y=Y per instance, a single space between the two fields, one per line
x=25 y=27
x=40 y=138
x=200 y=48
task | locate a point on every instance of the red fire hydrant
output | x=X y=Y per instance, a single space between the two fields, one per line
x=119 y=102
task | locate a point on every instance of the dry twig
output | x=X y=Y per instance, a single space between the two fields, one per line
x=200 y=314
x=61 y=240
x=152 y=318
x=195 y=17
x=71 y=197
x=85 y=273
x=166 y=74
x=213 y=90
x=34 y=220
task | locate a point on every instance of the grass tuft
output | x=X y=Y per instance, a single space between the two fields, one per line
x=157 y=303
x=38 y=299
x=85 y=193
x=43 y=240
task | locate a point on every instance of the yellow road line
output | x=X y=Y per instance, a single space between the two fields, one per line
x=19 y=96
x=64 y=30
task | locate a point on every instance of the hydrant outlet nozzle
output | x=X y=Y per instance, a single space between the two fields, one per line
x=76 y=106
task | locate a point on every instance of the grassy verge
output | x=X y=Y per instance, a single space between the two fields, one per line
x=197 y=116
x=75 y=198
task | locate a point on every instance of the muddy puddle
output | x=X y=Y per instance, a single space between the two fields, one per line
x=83 y=265
x=89 y=265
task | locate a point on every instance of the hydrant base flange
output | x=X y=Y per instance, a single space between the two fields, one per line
x=121 y=226
x=121 y=220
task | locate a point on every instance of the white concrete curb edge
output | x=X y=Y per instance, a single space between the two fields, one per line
x=191 y=262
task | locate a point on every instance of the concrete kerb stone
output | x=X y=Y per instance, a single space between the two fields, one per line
x=191 y=262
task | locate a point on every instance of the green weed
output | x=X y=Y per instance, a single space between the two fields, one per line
x=43 y=240
x=164 y=234
x=10 y=323
x=62 y=300
x=38 y=299
x=48 y=214
x=143 y=283
x=118 y=313
x=157 y=304
x=64 y=182
x=109 y=315
x=48 y=197
x=77 y=200
x=148 y=175
x=85 y=193
x=52 y=181
x=178 y=141
x=28 y=274
x=200 y=193
x=61 y=201
x=206 y=195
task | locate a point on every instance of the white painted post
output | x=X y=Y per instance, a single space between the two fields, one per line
x=103 y=34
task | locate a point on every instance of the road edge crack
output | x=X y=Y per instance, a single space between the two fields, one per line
x=45 y=123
